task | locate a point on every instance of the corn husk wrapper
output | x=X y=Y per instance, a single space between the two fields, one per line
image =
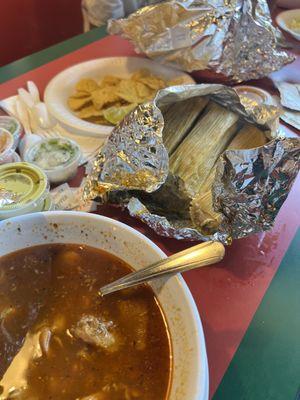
x=132 y=170
x=234 y=38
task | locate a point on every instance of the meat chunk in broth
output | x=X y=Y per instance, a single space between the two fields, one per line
x=96 y=332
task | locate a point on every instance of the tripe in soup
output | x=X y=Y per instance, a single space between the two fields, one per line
x=60 y=340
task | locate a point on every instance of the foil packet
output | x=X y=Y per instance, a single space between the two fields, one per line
x=8 y=197
x=233 y=38
x=132 y=170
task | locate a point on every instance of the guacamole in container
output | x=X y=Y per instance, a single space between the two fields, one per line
x=58 y=157
x=24 y=189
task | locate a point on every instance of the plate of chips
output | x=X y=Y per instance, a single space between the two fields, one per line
x=90 y=98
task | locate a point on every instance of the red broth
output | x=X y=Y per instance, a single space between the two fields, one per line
x=75 y=345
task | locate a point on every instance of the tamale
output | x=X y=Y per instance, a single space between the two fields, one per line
x=248 y=137
x=203 y=215
x=179 y=118
x=196 y=155
x=202 y=211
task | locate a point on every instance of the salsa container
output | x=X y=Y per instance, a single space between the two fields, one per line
x=6 y=146
x=24 y=189
x=13 y=126
x=66 y=169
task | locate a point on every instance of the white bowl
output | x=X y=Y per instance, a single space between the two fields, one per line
x=285 y=18
x=190 y=372
x=61 y=87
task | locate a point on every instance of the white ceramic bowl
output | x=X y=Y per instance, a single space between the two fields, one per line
x=190 y=372
x=62 y=86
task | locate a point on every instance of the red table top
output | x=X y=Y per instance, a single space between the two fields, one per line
x=227 y=295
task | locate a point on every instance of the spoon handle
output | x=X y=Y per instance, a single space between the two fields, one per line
x=197 y=256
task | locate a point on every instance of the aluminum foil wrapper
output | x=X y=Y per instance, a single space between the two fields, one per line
x=8 y=197
x=234 y=38
x=132 y=170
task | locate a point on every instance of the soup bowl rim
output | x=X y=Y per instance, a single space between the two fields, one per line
x=200 y=388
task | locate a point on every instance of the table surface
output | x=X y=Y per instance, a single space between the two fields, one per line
x=249 y=303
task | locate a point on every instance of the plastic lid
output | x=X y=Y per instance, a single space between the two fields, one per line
x=6 y=141
x=27 y=182
x=255 y=94
x=73 y=150
x=48 y=204
x=10 y=123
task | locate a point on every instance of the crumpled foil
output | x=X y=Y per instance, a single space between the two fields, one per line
x=8 y=197
x=250 y=186
x=234 y=38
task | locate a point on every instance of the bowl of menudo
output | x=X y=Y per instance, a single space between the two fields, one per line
x=60 y=340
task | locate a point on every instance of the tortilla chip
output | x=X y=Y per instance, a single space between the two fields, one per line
x=78 y=104
x=80 y=95
x=113 y=97
x=103 y=96
x=110 y=80
x=177 y=81
x=143 y=91
x=141 y=73
x=97 y=120
x=127 y=90
x=152 y=81
x=89 y=111
x=86 y=85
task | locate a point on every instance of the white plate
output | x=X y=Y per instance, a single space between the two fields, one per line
x=63 y=84
x=190 y=372
x=283 y=19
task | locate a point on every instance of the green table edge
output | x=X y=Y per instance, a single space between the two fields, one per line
x=266 y=365
x=42 y=57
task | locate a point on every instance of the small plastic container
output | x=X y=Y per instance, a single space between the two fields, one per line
x=12 y=125
x=15 y=157
x=254 y=94
x=7 y=148
x=58 y=157
x=24 y=189
x=27 y=142
x=48 y=204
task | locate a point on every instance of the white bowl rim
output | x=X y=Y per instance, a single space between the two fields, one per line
x=200 y=346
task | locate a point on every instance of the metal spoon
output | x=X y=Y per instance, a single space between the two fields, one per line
x=197 y=256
